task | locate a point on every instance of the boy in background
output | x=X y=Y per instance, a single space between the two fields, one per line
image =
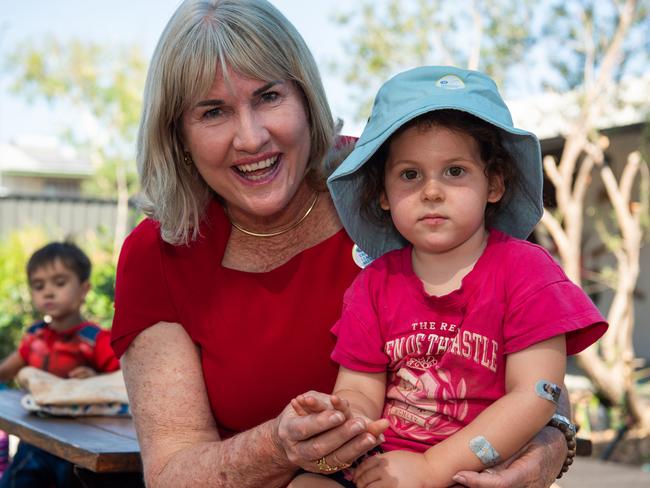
x=63 y=344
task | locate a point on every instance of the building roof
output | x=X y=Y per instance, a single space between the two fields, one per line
x=42 y=157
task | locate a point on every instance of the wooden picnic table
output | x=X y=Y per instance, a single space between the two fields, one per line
x=95 y=445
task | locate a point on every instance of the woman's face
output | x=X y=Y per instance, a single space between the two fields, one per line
x=250 y=141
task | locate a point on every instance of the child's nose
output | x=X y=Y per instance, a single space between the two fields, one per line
x=432 y=190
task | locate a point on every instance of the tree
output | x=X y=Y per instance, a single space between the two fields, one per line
x=586 y=49
x=602 y=49
x=105 y=86
x=394 y=35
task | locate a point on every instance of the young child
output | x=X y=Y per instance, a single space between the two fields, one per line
x=63 y=344
x=457 y=334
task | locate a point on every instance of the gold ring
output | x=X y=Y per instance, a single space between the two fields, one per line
x=323 y=467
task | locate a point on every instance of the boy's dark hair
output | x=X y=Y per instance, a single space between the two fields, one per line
x=497 y=159
x=70 y=255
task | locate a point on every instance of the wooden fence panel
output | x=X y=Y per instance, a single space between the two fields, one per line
x=59 y=216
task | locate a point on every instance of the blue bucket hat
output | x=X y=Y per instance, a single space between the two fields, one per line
x=413 y=93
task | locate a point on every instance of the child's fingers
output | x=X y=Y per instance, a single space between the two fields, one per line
x=297 y=406
x=312 y=404
x=341 y=405
x=81 y=372
x=377 y=427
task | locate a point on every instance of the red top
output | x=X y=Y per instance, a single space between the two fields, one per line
x=58 y=353
x=264 y=337
x=446 y=355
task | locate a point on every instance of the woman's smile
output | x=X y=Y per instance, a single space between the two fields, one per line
x=259 y=169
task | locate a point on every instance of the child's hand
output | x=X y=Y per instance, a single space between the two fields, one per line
x=394 y=469
x=306 y=405
x=81 y=372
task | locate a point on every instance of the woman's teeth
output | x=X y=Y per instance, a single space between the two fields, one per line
x=266 y=163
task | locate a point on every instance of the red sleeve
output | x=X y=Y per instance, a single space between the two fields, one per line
x=24 y=346
x=104 y=358
x=544 y=303
x=142 y=296
x=359 y=342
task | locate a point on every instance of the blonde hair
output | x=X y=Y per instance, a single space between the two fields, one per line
x=250 y=37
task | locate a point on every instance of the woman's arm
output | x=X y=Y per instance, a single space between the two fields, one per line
x=178 y=437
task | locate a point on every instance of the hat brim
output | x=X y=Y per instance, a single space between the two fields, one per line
x=517 y=217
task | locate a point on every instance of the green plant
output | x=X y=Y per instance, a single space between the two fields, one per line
x=15 y=302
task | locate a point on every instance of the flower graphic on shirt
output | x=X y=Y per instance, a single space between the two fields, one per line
x=425 y=404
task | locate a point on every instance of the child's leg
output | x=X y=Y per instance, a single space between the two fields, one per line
x=312 y=480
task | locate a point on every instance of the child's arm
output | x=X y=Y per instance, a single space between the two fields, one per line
x=505 y=426
x=365 y=392
x=10 y=366
x=356 y=394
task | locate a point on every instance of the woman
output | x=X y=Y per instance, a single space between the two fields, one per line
x=225 y=296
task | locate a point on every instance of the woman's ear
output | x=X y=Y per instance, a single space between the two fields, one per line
x=496 y=188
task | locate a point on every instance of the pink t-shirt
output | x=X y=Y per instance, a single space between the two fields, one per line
x=445 y=356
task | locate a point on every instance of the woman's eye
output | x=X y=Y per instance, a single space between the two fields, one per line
x=409 y=174
x=455 y=171
x=271 y=96
x=213 y=113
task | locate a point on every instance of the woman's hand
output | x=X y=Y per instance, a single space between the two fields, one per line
x=536 y=465
x=394 y=469
x=326 y=429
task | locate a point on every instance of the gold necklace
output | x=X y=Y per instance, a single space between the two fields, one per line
x=278 y=232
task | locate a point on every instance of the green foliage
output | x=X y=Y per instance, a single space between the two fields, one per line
x=576 y=34
x=393 y=35
x=103 y=84
x=16 y=311
x=525 y=46
x=15 y=302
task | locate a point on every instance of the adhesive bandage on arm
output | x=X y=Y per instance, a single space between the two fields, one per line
x=487 y=454
x=548 y=391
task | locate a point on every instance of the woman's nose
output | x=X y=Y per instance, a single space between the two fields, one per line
x=251 y=134
x=432 y=190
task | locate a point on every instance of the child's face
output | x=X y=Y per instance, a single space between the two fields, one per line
x=57 y=291
x=436 y=188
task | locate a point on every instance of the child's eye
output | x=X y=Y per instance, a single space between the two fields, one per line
x=408 y=174
x=60 y=282
x=455 y=171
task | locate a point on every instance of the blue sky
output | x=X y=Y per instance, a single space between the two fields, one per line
x=127 y=22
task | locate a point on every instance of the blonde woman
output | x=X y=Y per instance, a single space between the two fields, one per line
x=226 y=293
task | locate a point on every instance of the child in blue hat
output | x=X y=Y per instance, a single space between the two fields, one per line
x=454 y=339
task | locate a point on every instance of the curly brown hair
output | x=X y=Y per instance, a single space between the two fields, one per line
x=498 y=160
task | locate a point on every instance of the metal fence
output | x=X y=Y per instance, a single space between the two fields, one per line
x=59 y=216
